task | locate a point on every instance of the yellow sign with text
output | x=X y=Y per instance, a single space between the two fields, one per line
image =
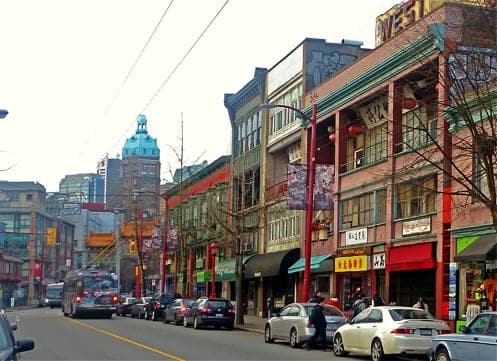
x=51 y=236
x=351 y=264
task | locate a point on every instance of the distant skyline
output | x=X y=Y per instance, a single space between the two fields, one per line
x=74 y=75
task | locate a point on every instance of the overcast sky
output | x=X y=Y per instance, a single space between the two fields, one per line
x=74 y=75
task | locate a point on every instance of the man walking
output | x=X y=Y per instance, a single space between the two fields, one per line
x=318 y=319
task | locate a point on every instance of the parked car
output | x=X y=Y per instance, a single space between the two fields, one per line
x=217 y=312
x=156 y=306
x=388 y=330
x=292 y=323
x=10 y=348
x=139 y=307
x=176 y=311
x=123 y=308
x=476 y=342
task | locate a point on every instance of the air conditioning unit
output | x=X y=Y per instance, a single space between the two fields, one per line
x=359 y=158
x=248 y=247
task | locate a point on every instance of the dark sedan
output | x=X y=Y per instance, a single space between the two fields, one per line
x=157 y=305
x=139 y=307
x=217 y=312
x=177 y=310
x=123 y=308
x=10 y=348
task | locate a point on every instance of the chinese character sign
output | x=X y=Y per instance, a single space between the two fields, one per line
x=351 y=264
x=297 y=181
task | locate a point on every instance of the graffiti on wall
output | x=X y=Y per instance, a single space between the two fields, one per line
x=322 y=65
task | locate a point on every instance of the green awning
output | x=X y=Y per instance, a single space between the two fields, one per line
x=483 y=248
x=315 y=262
x=225 y=269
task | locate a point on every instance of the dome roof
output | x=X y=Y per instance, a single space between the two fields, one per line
x=141 y=144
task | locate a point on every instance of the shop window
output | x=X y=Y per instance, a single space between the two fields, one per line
x=365 y=210
x=415 y=198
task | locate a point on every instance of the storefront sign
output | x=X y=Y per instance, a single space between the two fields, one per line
x=352 y=252
x=356 y=236
x=379 y=260
x=351 y=264
x=375 y=113
x=417 y=226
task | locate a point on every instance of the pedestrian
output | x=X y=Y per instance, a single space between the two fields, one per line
x=318 y=319
x=377 y=300
x=334 y=301
x=358 y=306
x=315 y=297
x=421 y=304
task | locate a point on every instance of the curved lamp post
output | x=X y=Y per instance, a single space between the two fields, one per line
x=3 y=113
x=311 y=170
x=213 y=251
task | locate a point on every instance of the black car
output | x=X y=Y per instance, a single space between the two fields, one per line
x=139 y=307
x=217 y=312
x=177 y=310
x=9 y=346
x=123 y=308
x=155 y=308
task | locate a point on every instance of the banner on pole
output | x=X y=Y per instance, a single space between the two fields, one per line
x=297 y=182
x=323 y=186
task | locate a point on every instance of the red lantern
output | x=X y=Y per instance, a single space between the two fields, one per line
x=409 y=103
x=332 y=137
x=354 y=129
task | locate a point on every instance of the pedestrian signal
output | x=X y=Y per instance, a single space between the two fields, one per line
x=132 y=246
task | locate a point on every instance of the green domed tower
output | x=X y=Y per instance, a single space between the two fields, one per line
x=141 y=172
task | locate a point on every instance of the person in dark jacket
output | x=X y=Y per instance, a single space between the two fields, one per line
x=315 y=297
x=318 y=319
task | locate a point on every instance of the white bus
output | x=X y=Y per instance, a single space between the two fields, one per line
x=53 y=295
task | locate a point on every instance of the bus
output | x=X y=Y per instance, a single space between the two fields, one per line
x=90 y=293
x=53 y=295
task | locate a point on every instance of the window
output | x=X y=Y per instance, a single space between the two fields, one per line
x=415 y=198
x=376 y=143
x=248 y=133
x=365 y=210
x=419 y=126
x=480 y=178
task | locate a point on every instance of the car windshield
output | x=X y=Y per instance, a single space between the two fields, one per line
x=99 y=284
x=399 y=314
x=147 y=299
x=188 y=303
x=327 y=311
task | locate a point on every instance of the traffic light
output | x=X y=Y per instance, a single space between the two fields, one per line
x=132 y=246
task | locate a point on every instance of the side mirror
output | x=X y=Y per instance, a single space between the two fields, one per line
x=13 y=326
x=25 y=344
x=463 y=329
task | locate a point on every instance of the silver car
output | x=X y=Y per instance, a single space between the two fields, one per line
x=476 y=342
x=292 y=323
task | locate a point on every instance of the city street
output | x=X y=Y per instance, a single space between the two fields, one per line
x=123 y=338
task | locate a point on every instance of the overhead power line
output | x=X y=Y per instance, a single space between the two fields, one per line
x=138 y=58
x=184 y=56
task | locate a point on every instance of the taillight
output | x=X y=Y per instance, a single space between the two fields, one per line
x=183 y=309
x=231 y=310
x=78 y=299
x=85 y=293
x=115 y=299
x=204 y=309
x=443 y=332
x=403 y=331
x=157 y=304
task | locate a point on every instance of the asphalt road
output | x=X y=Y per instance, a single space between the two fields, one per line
x=123 y=338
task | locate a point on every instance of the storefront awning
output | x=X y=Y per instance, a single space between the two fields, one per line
x=225 y=269
x=315 y=263
x=411 y=257
x=483 y=248
x=271 y=264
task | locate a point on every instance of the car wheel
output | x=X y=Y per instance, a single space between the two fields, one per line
x=267 y=335
x=376 y=350
x=338 y=348
x=185 y=322
x=294 y=338
x=176 y=321
x=442 y=355
x=195 y=323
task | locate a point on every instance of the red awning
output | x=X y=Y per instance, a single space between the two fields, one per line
x=411 y=257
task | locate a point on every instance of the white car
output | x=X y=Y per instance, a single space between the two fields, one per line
x=388 y=330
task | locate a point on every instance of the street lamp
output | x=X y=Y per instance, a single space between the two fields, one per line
x=162 y=284
x=311 y=170
x=213 y=251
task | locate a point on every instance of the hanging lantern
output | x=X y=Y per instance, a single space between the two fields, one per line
x=409 y=103
x=332 y=137
x=355 y=129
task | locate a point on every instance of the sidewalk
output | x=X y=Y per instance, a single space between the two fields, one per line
x=252 y=323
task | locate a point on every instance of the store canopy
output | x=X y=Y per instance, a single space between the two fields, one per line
x=315 y=263
x=271 y=264
x=482 y=249
x=225 y=269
